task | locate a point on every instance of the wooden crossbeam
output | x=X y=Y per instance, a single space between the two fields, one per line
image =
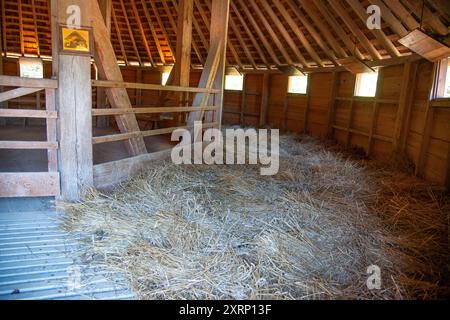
x=108 y=69
x=16 y=93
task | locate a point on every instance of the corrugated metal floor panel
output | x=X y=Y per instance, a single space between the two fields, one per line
x=38 y=261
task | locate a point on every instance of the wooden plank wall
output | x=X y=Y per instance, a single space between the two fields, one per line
x=365 y=123
x=357 y=122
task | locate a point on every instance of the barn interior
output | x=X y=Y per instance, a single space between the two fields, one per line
x=359 y=89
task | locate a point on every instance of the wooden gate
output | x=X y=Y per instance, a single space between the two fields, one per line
x=31 y=184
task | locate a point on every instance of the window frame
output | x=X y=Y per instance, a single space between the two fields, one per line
x=441 y=77
x=299 y=93
x=358 y=81
x=234 y=90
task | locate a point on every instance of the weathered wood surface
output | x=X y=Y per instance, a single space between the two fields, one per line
x=35 y=184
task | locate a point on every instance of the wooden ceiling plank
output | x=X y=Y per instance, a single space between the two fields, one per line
x=403 y=14
x=242 y=43
x=119 y=35
x=261 y=35
x=308 y=6
x=38 y=47
x=312 y=31
x=389 y=17
x=379 y=34
x=143 y=35
x=250 y=35
x=429 y=18
x=349 y=44
x=301 y=36
x=355 y=30
x=152 y=29
x=5 y=47
x=161 y=25
x=130 y=32
x=22 y=43
x=285 y=33
x=271 y=32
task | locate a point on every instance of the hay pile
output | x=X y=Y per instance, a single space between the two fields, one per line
x=225 y=232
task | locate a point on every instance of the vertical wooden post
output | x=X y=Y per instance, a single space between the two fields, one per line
x=106 y=10
x=307 y=106
x=427 y=128
x=74 y=104
x=220 y=13
x=243 y=102
x=213 y=74
x=108 y=68
x=264 y=100
x=184 y=41
x=331 y=105
x=3 y=105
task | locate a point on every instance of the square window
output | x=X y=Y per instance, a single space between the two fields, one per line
x=31 y=68
x=165 y=77
x=298 y=84
x=447 y=82
x=441 y=84
x=366 y=84
x=235 y=83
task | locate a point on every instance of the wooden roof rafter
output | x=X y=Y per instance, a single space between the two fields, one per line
x=262 y=34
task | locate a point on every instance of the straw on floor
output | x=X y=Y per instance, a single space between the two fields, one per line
x=310 y=232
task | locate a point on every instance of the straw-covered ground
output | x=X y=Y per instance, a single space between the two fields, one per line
x=310 y=232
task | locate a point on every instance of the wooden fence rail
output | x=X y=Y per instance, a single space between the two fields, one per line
x=29 y=184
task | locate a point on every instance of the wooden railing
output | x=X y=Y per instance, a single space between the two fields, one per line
x=19 y=184
x=152 y=110
x=111 y=173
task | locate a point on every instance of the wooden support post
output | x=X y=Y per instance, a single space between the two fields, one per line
x=349 y=125
x=285 y=111
x=427 y=128
x=3 y=105
x=106 y=10
x=243 y=102
x=220 y=13
x=264 y=100
x=74 y=104
x=307 y=107
x=184 y=43
x=375 y=111
x=213 y=74
x=106 y=62
x=331 y=105
x=404 y=108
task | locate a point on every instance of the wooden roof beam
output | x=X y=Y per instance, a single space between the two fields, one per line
x=152 y=29
x=301 y=36
x=174 y=28
x=389 y=17
x=271 y=32
x=230 y=45
x=250 y=35
x=311 y=10
x=355 y=30
x=184 y=40
x=142 y=31
x=258 y=30
x=287 y=36
x=312 y=31
x=119 y=35
x=379 y=34
x=130 y=33
x=160 y=24
x=403 y=14
x=429 y=18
